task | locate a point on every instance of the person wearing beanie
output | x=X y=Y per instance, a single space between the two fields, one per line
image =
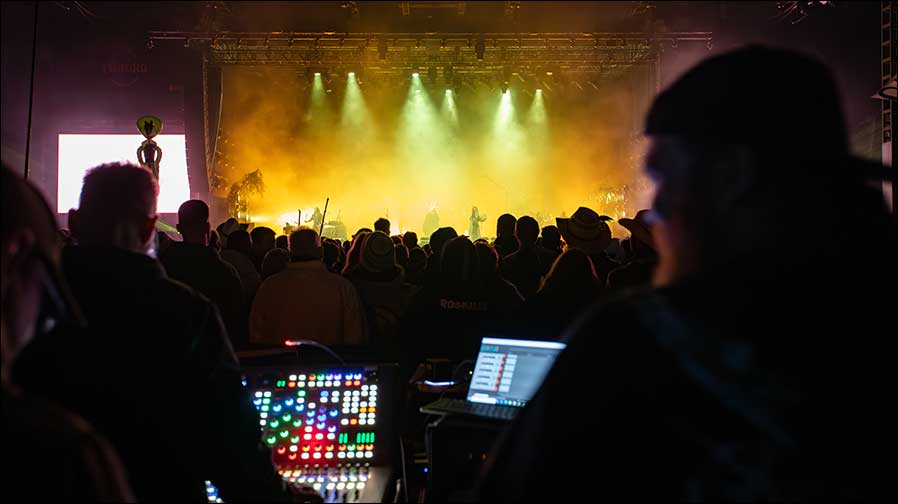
x=378 y=280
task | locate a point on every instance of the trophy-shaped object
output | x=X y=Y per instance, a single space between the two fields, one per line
x=149 y=154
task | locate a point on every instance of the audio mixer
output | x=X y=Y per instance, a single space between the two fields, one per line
x=326 y=428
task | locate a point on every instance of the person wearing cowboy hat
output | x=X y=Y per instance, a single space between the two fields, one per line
x=587 y=230
x=745 y=374
x=640 y=267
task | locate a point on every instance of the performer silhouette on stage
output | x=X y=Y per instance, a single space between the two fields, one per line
x=431 y=222
x=316 y=219
x=476 y=219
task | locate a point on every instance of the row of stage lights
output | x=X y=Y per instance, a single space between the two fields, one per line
x=504 y=86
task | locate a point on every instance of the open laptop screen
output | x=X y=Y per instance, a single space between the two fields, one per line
x=508 y=371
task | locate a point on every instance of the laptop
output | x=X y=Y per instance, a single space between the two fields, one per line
x=507 y=374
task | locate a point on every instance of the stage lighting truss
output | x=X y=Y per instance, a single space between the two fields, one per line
x=454 y=55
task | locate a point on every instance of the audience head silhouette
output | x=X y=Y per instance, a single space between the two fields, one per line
x=505 y=225
x=240 y=241
x=382 y=225
x=305 y=245
x=526 y=231
x=117 y=207
x=193 y=222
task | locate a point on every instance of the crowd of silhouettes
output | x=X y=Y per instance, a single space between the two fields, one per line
x=728 y=350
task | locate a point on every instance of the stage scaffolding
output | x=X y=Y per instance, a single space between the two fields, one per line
x=587 y=58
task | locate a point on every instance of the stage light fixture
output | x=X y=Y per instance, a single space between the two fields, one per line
x=415 y=75
x=504 y=87
x=480 y=48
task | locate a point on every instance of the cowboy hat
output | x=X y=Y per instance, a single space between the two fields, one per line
x=640 y=227
x=585 y=230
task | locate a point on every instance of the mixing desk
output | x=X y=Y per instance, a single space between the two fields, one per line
x=325 y=429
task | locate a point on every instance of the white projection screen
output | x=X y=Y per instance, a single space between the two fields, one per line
x=79 y=153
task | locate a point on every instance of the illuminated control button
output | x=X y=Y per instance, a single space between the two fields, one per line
x=305 y=456
x=328 y=383
x=289 y=402
x=341 y=455
x=316 y=455
x=351 y=454
x=373 y=387
x=317 y=486
x=263 y=414
x=335 y=399
x=341 y=486
x=301 y=377
x=301 y=384
x=258 y=394
x=344 y=422
x=319 y=436
x=264 y=407
x=351 y=485
x=331 y=436
x=319 y=384
x=294 y=448
x=266 y=401
x=292 y=377
x=267 y=393
x=360 y=485
x=312 y=405
x=309 y=428
x=369 y=454
x=262 y=422
x=307 y=437
x=329 y=455
x=330 y=486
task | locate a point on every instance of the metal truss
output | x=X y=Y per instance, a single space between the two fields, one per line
x=462 y=52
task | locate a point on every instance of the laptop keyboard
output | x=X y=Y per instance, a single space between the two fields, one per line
x=477 y=409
